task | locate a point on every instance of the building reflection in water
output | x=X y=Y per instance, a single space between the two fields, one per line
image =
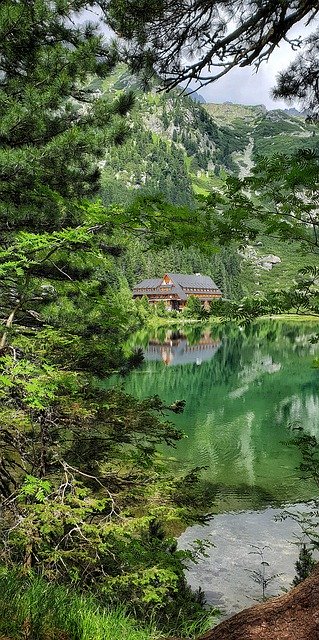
x=176 y=349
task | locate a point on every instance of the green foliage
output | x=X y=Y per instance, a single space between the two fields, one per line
x=278 y=200
x=143 y=309
x=87 y=500
x=61 y=279
x=160 y=309
x=162 y=224
x=261 y=576
x=304 y=565
x=34 y=488
x=258 y=280
x=274 y=210
x=301 y=298
x=90 y=458
x=49 y=141
x=299 y=80
x=162 y=38
x=283 y=136
x=194 y=308
x=150 y=166
x=79 y=474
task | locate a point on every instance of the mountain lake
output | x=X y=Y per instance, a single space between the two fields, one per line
x=248 y=392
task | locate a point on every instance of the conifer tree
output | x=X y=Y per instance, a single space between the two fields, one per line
x=53 y=131
x=304 y=565
x=78 y=465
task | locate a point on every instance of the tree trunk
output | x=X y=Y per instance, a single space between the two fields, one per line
x=8 y=325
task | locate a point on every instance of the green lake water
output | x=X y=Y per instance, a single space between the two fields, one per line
x=247 y=393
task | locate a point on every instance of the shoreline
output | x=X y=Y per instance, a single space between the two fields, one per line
x=287 y=317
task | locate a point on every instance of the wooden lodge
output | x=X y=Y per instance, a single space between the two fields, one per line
x=175 y=289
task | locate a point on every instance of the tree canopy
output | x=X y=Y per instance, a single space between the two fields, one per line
x=279 y=199
x=203 y=39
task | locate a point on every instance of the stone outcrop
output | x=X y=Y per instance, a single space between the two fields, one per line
x=264 y=262
x=267 y=262
x=292 y=616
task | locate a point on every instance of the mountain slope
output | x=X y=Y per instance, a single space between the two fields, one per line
x=196 y=142
x=181 y=148
x=265 y=132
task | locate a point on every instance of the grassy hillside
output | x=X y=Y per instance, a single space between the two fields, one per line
x=178 y=146
x=229 y=113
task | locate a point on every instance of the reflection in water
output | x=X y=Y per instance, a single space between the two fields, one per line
x=175 y=349
x=253 y=388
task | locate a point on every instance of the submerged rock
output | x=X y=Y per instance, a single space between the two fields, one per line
x=241 y=542
x=293 y=616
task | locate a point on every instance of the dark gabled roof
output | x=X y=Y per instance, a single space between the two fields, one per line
x=181 y=283
x=192 y=281
x=151 y=283
x=176 y=288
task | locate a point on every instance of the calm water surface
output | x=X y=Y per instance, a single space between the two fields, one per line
x=247 y=392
